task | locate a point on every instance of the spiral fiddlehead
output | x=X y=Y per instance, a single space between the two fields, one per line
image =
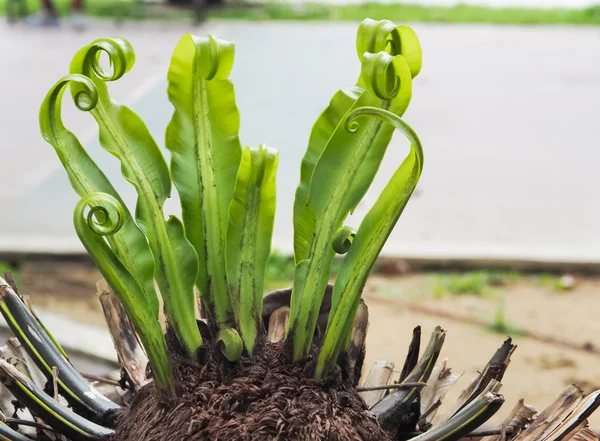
x=66 y=144
x=376 y=36
x=342 y=239
x=105 y=215
x=121 y=59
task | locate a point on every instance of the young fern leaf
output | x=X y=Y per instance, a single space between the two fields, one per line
x=205 y=155
x=230 y=343
x=376 y=36
x=370 y=238
x=341 y=177
x=251 y=217
x=372 y=37
x=129 y=244
x=46 y=355
x=103 y=219
x=124 y=135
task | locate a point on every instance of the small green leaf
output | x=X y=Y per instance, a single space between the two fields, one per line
x=205 y=154
x=342 y=240
x=230 y=343
x=251 y=217
x=124 y=135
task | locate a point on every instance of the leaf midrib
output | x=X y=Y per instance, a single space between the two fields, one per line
x=207 y=182
x=248 y=260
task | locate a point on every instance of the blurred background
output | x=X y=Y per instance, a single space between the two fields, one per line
x=502 y=236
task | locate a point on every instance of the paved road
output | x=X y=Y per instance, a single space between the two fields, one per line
x=508 y=117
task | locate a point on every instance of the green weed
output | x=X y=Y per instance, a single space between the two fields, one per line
x=473 y=282
x=461 y=13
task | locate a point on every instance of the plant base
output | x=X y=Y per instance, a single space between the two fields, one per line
x=266 y=397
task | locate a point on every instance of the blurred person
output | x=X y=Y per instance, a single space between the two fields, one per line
x=49 y=15
x=77 y=18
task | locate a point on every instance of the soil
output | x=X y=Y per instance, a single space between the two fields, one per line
x=266 y=397
x=538 y=371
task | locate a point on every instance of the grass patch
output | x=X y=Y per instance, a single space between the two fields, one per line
x=415 y=13
x=500 y=323
x=118 y=10
x=279 y=272
x=461 y=13
x=554 y=282
x=4 y=266
x=472 y=282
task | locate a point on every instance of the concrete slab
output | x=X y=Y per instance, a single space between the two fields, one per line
x=507 y=116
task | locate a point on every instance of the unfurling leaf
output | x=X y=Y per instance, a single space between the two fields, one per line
x=346 y=166
x=129 y=243
x=370 y=237
x=104 y=218
x=124 y=135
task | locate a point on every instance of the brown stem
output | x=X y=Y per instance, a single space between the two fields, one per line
x=101 y=379
x=28 y=423
x=391 y=386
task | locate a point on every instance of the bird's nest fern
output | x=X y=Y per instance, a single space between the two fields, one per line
x=220 y=248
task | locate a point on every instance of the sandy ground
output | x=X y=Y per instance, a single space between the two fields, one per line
x=538 y=372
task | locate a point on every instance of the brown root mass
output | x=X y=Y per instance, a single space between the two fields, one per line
x=263 y=398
